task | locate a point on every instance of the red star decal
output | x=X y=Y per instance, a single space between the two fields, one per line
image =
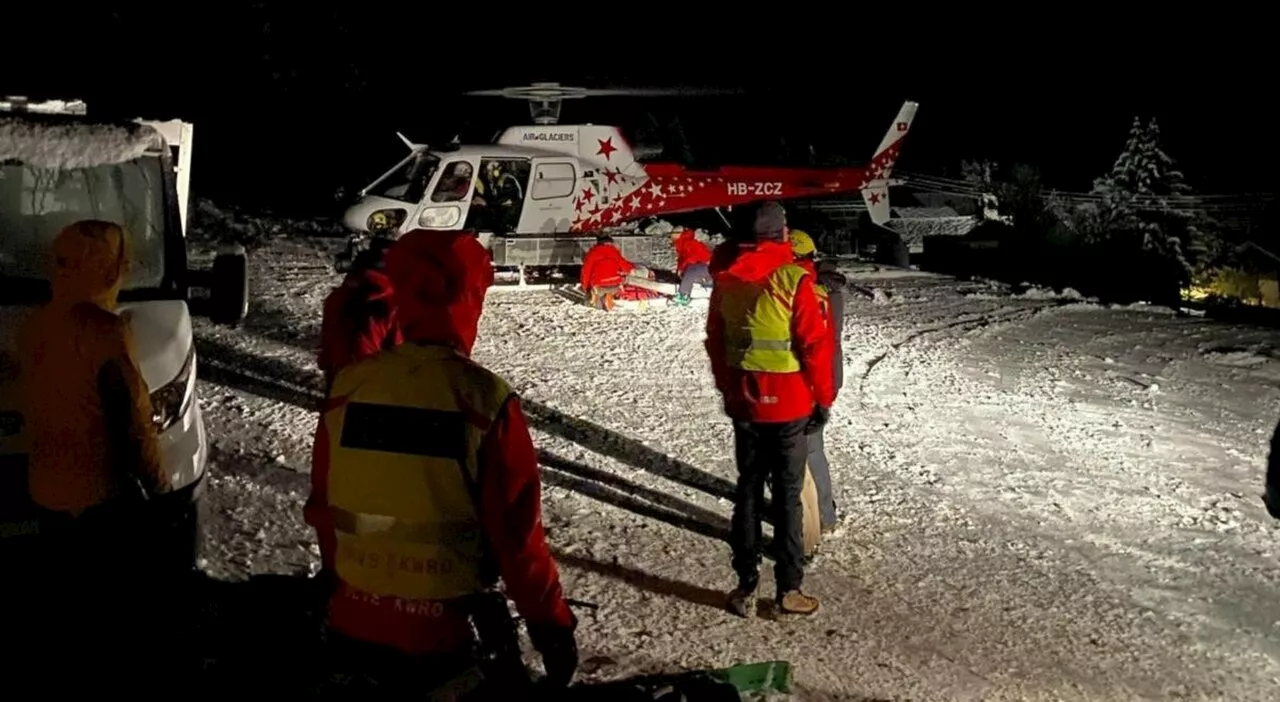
x=902 y=126
x=612 y=175
x=588 y=195
x=577 y=204
x=606 y=148
x=875 y=198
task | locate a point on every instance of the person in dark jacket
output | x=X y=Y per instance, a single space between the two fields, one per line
x=359 y=318
x=830 y=290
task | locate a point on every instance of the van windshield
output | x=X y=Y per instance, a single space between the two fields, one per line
x=36 y=203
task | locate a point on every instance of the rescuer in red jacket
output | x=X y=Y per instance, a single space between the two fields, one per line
x=359 y=316
x=604 y=269
x=425 y=483
x=770 y=353
x=692 y=260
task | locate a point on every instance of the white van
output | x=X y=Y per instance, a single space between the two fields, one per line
x=58 y=166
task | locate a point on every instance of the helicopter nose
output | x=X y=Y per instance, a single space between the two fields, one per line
x=355 y=216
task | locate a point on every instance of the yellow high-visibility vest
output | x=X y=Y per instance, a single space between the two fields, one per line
x=757 y=321
x=405 y=428
x=824 y=301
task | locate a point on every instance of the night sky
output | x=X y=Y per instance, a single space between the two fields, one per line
x=1038 y=90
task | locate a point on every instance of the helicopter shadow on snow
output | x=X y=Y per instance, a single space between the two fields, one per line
x=282 y=381
x=623 y=448
x=618 y=491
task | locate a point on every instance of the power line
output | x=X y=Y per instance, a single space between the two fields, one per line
x=1212 y=208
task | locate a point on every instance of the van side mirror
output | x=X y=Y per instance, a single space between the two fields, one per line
x=227 y=283
x=229 y=286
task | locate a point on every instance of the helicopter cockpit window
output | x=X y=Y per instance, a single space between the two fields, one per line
x=409 y=182
x=455 y=182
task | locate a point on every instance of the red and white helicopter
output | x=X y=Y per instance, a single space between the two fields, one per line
x=538 y=189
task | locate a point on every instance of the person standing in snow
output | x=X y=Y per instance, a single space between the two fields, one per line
x=93 y=461
x=692 y=259
x=604 y=269
x=359 y=317
x=829 y=287
x=770 y=353
x=425 y=483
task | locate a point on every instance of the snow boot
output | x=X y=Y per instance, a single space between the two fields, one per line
x=796 y=602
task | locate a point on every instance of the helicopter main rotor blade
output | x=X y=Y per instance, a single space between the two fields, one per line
x=555 y=91
x=659 y=92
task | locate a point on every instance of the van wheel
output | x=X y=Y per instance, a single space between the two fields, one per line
x=179 y=522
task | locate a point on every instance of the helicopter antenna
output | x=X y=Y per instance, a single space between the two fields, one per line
x=545 y=99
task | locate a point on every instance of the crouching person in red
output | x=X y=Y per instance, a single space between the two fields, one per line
x=604 y=269
x=425 y=490
x=693 y=259
x=359 y=316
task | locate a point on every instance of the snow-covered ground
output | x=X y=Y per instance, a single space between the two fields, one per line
x=1045 y=498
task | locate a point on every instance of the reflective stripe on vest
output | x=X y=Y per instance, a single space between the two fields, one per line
x=404 y=438
x=757 y=321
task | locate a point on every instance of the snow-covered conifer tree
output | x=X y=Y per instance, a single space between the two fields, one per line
x=1143 y=207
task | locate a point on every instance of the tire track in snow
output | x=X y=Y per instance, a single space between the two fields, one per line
x=976 y=322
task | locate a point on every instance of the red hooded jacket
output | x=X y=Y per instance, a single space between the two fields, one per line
x=604 y=266
x=440 y=282
x=795 y=393
x=690 y=251
x=359 y=320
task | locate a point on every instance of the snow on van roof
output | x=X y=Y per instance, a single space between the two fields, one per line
x=73 y=143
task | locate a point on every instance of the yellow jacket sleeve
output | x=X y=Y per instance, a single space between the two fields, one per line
x=127 y=409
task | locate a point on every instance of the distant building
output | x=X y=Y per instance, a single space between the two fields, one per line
x=913 y=224
x=842 y=227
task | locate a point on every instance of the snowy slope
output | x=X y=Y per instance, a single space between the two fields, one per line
x=1046 y=499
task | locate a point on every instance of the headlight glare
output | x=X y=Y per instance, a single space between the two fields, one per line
x=173 y=399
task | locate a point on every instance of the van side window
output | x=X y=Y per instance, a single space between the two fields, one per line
x=455 y=183
x=553 y=180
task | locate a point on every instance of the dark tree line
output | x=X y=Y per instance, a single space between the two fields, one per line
x=1141 y=234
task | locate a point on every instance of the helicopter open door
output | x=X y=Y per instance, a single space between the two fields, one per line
x=549 y=207
x=499 y=197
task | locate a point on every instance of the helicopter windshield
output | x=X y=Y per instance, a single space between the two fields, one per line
x=408 y=181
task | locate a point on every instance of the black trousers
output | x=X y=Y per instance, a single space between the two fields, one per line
x=775 y=453
x=98 y=602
